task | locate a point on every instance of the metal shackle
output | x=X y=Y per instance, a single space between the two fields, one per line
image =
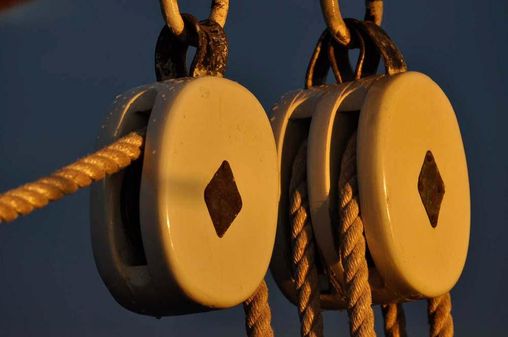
x=174 y=19
x=336 y=23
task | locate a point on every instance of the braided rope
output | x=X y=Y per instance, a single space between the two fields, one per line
x=258 y=315
x=440 y=316
x=394 y=319
x=305 y=271
x=352 y=249
x=111 y=159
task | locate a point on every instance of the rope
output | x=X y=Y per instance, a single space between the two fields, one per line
x=395 y=320
x=440 y=316
x=352 y=249
x=107 y=161
x=115 y=157
x=111 y=159
x=305 y=271
x=352 y=252
x=258 y=315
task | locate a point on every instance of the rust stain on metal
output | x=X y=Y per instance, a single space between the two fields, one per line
x=431 y=188
x=223 y=199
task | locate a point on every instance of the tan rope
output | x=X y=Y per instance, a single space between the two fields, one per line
x=258 y=315
x=395 y=320
x=352 y=249
x=305 y=271
x=111 y=159
x=115 y=157
x=440 y=316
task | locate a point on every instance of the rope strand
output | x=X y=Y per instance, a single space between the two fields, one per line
x=302 y=237
x=258 y=315
x=352 y=249
x=115 y=157
x=394 y=319
x=109 y=160
x=440 y=316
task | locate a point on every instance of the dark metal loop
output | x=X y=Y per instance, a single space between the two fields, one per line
x=378 y=42
x=211 y=55
x=330 y=54
x=319 y=64
x=373 y=44
x=366 y=64
x=336 y=24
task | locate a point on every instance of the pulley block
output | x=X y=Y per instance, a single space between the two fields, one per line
x=191 y=226
x=411 y=172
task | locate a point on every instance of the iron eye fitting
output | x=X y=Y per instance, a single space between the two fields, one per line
x=335 y=21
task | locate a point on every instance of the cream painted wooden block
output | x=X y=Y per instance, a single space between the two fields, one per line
x=291 y=120
x=413 y=184
x=333 y=122
x=407 y=131
x=192 y=227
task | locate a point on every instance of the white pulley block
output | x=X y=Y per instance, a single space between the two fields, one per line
x=326 y=116
x=291 y=119
x=413 y=185
x=411 y=172
x=412 y=177
x=334 y=120
x=197 y=231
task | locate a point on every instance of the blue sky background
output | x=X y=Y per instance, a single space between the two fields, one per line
x=61 y=64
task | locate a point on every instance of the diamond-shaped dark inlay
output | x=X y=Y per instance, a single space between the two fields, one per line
x=223 y=199
x=431 y=188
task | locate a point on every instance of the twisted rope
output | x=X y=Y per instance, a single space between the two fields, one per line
x=258 y=315
x=109 y=160
x=440 y=316
x=395 y=320
x=115 y=157
x=305 y=271
x=352 y=249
